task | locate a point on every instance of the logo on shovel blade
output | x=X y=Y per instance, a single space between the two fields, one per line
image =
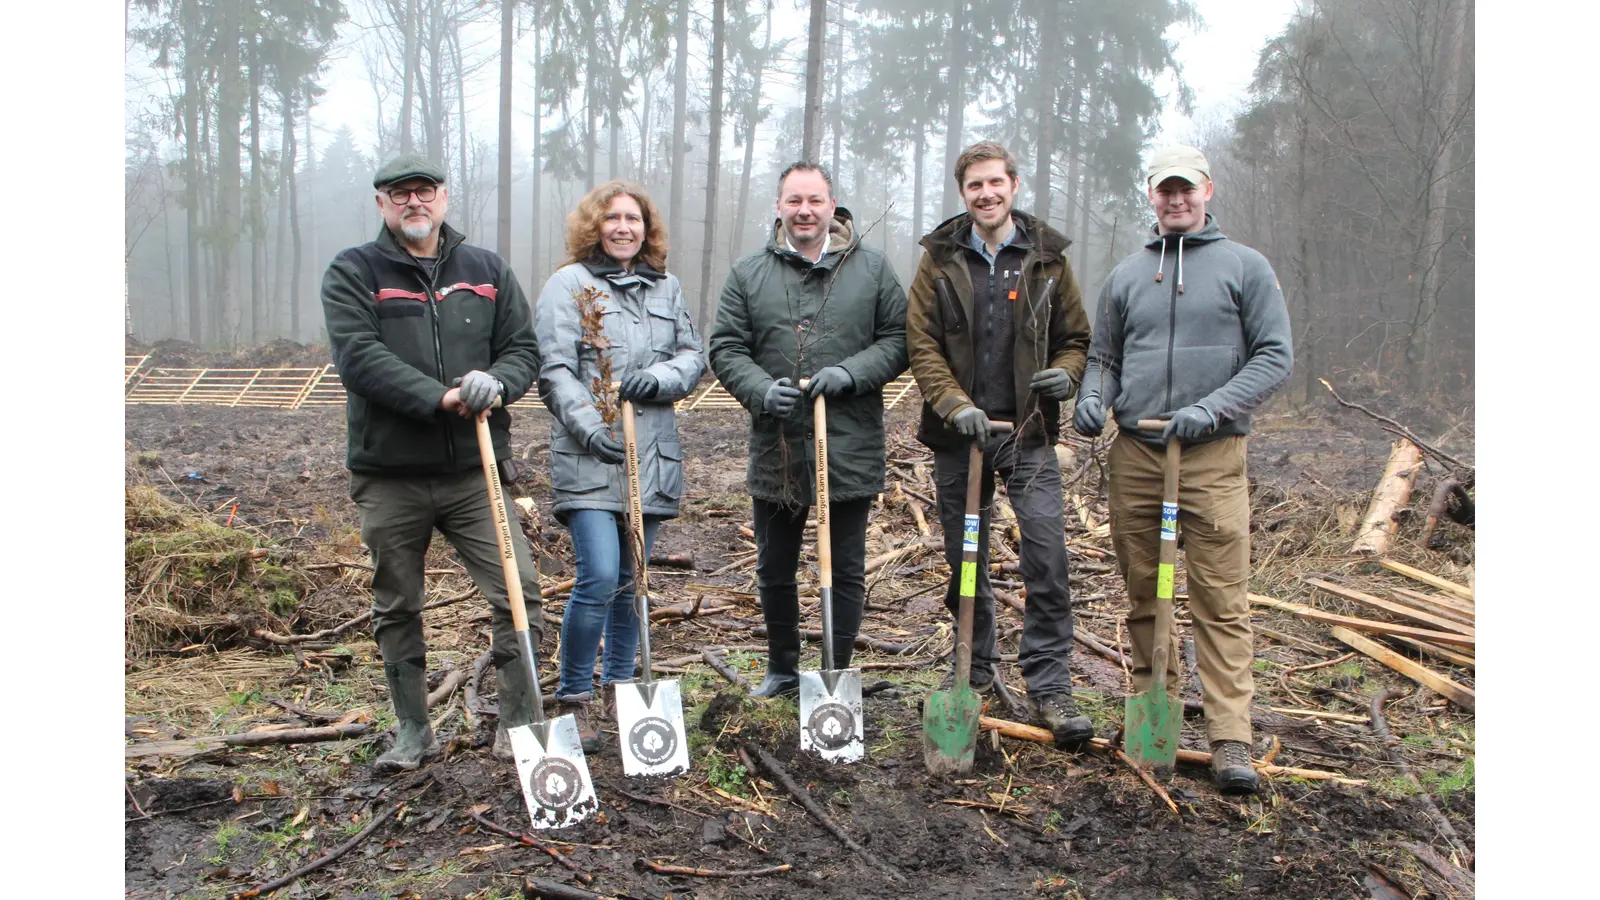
x=832 y=726
x=555 y=783
x=652 y=741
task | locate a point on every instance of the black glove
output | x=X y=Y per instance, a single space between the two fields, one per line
x=1089 y=416
x=1056 y=384
x=971 y=422
x=604 y=447
x=1189 y=424
x=781 y=398
x=638 y=386
x=832 y=381
x=478 y=390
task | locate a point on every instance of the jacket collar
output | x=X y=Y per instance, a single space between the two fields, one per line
x=948 y=238
x=449 y=238
x=841 y=237
x=1211 y=232
x=602 y=266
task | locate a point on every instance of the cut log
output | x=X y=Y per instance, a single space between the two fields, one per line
x=1449 y=656
x=1390 y=606
x=196 y=746
x=1433 y=681
x=1436 y=604
x=1428 y=579
x=1451 y=638
x=1392 y=494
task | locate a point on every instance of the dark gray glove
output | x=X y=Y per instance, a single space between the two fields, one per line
x=478 y=390
x=1056 y=384
x=638 y=386
x=604 y=447
x=781 y=398
x=971 y=422
x=1189 y=424
x=1089 y=416
x=832 y=381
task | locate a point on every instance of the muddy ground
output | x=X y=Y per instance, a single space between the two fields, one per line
x=1049 y=823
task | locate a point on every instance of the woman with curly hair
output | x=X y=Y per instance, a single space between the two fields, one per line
x=638 y=321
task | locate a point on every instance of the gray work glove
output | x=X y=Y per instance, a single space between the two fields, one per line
x=478 y=390
x=832 y=381
x=640 y=385
x=1089 y=416
x=971 y=422
x=781 y=398
x=1056 y=384
x=1189 y=424
x=604 y=447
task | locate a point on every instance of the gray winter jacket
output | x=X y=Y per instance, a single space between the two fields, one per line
x=1190 y=320
x=647 y=326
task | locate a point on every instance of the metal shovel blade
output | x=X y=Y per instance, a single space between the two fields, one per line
x=950 y=730
x=1151 y=728
x=554 y=775
x=650 y=728
x=830 y=714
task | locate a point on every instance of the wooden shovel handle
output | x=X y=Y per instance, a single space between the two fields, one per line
x=502 y=524
x=1153 y=424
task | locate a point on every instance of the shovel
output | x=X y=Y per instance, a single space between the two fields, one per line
x=649 y=712
x=550 y=764
x=950 y=718
x=1152 y=717
x=830 y=700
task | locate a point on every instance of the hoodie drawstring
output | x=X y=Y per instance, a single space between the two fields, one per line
x=1163 y=264
x=1180 y=263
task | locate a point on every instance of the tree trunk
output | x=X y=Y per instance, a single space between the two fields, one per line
x=465 y=184
x=590 y=112
x=714 y=162
x=958 y=107
x=538 y=141
x=280 y=253
x=919 y=137
x=752 y=111
x=291 y=153
x=191 y=167
x=503 y=206
x=837 y=125
x=680 y=111
x=258 y=249
x=311 y=200
x=1378 y=526
x=811 y=142
x=413 y=55
x=230 y=102
x=1044 y=105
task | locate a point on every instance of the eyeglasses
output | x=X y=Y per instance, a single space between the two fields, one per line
x=424 y=194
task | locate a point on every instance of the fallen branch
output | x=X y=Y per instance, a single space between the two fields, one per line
x=267 y=888
x=1440 y=653
x=472 y=694
x=526 y=840
x=1391 y=606
x=321 y=718
x=714 y=660
x=1378 y=526
x=1455 y=693
x=657 y=801
x=862 y=643
x=1454 y=875
x=800 y=795
x=1399 y=429
x=741 y=561
x=688 y=609
x=196 y=746
x=452 y=682
x=673 y=561
x=1043 y=736
x=1369 y=625
x=554 y=890
x=1149 y=782
x=664 y=869
x=1428 y=578
x=1380 y=727
x=1082 y=637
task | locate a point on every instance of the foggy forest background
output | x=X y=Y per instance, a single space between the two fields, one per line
x=1350 y=165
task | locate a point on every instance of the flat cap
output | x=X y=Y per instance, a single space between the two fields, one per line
x=407 y=166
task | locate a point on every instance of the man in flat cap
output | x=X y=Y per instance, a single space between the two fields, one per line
x=427 y=332
x=1191 y=328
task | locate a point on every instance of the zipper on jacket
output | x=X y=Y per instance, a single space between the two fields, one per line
x=430 y=285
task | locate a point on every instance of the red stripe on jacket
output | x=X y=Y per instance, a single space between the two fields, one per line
x=482 y=290
x=397 y=294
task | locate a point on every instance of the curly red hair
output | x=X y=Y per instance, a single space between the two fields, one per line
x=583 y=225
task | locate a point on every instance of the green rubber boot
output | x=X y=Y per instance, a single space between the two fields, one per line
x=516 y=703
x=414 y=741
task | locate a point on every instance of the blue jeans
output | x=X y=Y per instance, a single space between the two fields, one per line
x=601 y=602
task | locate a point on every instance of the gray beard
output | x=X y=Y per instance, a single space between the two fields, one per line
x=417 y=233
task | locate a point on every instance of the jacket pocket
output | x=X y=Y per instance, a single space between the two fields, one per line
x=399 y=309
x=1197 y=371
x=663 y=322
x=669 y=472
x=573 y=472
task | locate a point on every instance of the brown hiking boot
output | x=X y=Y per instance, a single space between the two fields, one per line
x=1067 y=724
x=582 y=712
x=1230 y=766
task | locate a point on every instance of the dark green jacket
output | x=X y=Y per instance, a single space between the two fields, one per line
x=400 y=337
x=1051 y=329
x=780 y=315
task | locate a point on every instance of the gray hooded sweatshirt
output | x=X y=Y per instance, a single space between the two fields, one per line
x=1193 y=319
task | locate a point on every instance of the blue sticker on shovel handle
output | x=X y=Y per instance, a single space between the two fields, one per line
x=1169 y=521
x=969 y=535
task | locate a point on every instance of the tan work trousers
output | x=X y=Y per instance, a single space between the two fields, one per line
x=1214 y=517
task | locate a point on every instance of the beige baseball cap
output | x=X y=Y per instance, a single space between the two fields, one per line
x=1184 y=162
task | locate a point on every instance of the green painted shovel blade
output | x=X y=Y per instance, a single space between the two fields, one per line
x=950 y=730
x=1150 y=733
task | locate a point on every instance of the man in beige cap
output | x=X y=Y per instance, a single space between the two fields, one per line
x=1191 y=328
